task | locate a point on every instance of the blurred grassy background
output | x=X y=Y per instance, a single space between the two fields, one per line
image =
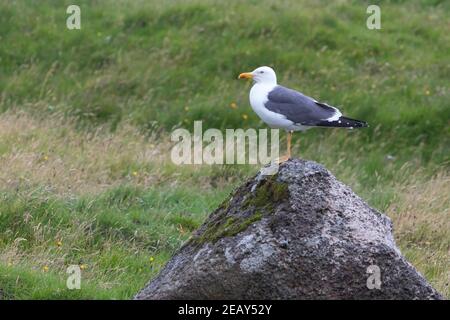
x=86 y=115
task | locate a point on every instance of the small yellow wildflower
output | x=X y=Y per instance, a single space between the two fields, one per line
x=427 y=92
x=45 y=158
x=233 y=105
x=83 y=266
x=244 y=116
x=151 y=259
x=186 y=108
x=135 y=173
x=45 y=269
x=59 y=243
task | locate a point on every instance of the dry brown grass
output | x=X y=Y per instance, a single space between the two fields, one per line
x=51 y=154
x=421 y=217
x=426 y=204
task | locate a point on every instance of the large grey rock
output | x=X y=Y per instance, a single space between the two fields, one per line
x=300 y=234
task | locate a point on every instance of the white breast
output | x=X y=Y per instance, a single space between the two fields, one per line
x=258 y=97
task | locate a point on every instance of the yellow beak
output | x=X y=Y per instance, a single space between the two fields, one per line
x=245 y=75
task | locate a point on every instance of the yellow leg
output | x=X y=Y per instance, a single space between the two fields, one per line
x=288 y=153
x=289 y=137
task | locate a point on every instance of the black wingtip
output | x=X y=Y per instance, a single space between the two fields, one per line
x=352 y=123
x=364 y=124
x=344 y=122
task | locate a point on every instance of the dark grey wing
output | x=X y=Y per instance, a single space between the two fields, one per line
x=299 y=108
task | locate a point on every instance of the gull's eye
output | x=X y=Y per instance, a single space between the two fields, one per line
x=261 y=72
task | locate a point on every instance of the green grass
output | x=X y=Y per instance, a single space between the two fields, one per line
x=86 y=117
x=122 y=236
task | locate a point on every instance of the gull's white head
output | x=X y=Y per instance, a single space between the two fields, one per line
x=264 y=75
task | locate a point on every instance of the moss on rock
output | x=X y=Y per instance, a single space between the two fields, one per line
x=232 y=218
x=267 y=194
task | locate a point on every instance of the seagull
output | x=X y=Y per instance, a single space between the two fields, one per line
x=287 y=109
